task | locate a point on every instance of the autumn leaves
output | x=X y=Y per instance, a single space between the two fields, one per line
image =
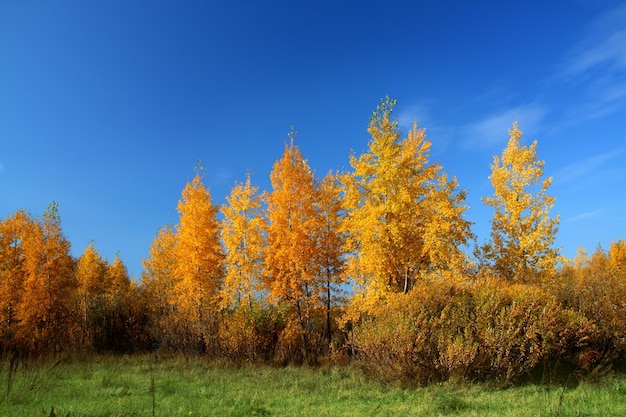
x=288 y=252
x=50 y=301
x=392 y=221
x=314 y=267
x=404 y=217
x=522 y=231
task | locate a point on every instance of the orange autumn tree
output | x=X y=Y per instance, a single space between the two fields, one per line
x=522 y=231
x=13 y=271
x=404 y=217
x=199 y=260
x=45 y=313
x=617 y=259
x=330 y=243
x=290 y=270
x=120 y=294
x=158 y=282
x=91 y=278
x=243 y=236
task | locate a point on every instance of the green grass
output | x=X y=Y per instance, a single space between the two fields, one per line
x=137 y=386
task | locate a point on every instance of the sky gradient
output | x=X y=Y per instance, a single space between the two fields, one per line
x=106 y=107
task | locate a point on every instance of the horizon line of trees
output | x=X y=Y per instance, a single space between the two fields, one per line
x=269 y=279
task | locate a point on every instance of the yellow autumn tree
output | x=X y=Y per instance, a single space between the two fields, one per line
x=158 y=282
x=404 y=217
x=13 y=273
x=290 y=271
x=91 y=279
x=330 y=241
x=617 y=258
x=119 y=293
x=199 y=260
x=45 y=313
x=243 y=237
x=522 y=231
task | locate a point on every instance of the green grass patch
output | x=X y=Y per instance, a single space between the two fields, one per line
x=145 y=386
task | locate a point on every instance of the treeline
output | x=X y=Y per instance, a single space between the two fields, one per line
x=369 y=265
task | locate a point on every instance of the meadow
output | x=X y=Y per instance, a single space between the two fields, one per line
x=176 y=386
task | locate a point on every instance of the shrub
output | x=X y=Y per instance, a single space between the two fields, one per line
x=595 y=287
x=250 y=332
x=485 y=330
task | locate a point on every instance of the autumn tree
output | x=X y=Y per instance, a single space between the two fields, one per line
x=404 y=217
x=243 y=237
x=522 y=232
x=199 y=260
x=158 y=282
x=290 y=270
x=119 y=292
x=617 y=258
x=13 y=273
x=91 y=271
x=45 y=313
x=331 y=240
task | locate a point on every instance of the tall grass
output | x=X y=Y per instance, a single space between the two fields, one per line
x=150 y=386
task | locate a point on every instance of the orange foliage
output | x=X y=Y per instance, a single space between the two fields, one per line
x=199 y=260
x=90 y=275
x=595 y=285
x=45 y=314
x=243 y=235
x=450 y=328
x=158 y=283
x=403 y=216
x=13 y=231
x=290 y=272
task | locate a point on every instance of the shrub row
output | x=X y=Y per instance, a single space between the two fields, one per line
x=480 y=330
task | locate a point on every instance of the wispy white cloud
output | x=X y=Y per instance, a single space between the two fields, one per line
x=583 y=216
x=221 y=176
x=594 y=69
x=413 y=113
x=493 y=129
x=603 y=45
x=586 y=167
x=440 y=135
x=596 y=65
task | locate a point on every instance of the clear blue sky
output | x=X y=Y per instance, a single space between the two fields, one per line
x=106 y=106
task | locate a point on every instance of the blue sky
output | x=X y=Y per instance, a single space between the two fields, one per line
x=106 y=107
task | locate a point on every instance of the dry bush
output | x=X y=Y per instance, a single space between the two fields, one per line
x=595 y=287
x=401 y=339
x=521 y=327
x=250 y=333
x=485 y=330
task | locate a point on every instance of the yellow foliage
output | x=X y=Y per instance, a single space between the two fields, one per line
x=198 y=257
x=522 y=232
x=244 y=242
x=45 y=314
x=453 y=328
x=159 y=277
x=303 y=261
x=595 y=285
x=404 y=218
x=292 y=221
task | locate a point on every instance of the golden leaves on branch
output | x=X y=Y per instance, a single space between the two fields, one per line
x=404 y=217
x=522 y=232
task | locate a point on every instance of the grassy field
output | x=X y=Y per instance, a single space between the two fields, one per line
x=144 y=386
